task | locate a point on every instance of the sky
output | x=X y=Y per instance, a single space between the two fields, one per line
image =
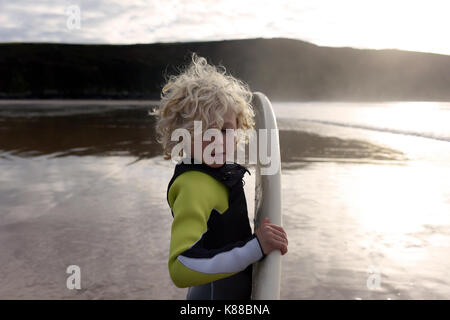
x=383 y=24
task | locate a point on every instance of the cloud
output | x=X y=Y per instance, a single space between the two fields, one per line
x=410 y=25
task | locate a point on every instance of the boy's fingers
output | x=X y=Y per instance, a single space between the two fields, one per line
x=280 y=235
x=275 y=226
x=281 y=245
x=283 y=248
x=278 y=231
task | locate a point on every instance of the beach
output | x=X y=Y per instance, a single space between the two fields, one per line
x=365 y=197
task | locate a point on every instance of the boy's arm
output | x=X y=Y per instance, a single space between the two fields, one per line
x=192 y=197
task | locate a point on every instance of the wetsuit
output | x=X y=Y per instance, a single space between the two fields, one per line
x=212 y=247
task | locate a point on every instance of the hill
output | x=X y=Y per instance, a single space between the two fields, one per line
x=284 y=69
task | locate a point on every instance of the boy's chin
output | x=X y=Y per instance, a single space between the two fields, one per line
x=215 y=163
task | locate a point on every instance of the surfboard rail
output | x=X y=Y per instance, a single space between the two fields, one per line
x=267 y=272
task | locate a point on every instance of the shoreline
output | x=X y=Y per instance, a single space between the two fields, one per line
x=77 y=101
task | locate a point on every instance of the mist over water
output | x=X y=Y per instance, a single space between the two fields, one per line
x=366 y=193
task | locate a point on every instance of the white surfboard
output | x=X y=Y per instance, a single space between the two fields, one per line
x=267 y=273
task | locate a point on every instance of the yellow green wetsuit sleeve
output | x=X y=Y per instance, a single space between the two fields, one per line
x=192 y=197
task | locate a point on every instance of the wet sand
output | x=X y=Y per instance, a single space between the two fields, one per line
x=116 y=228
x=90 y=190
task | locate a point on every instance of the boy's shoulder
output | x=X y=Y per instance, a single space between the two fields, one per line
x=195 y=178
x=196 y=183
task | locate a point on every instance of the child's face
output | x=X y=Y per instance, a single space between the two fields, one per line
x=230 y=122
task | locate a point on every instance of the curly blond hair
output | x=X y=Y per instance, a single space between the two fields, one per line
x=201 y=92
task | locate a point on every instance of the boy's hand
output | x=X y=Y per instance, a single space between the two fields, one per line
x=271 y=237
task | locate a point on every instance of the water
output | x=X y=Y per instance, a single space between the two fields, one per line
x=366 y=200
x=358 y=218
x=423 y=119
